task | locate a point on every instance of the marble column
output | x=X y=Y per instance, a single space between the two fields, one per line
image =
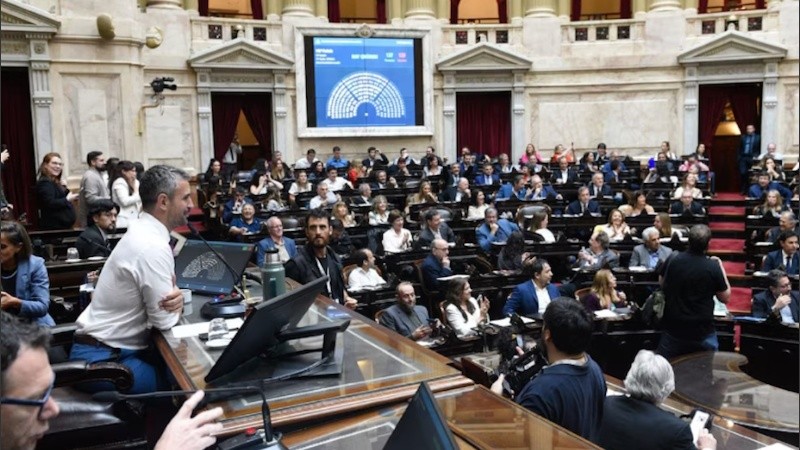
x=191 y=5
x=691 y=113
x=298 y=8
x=516 y=10
x=769 y=112
x=449 y=118
x=41 y=96
x=164 y=4
x=443 y=10
x=420 y=10
x=690 y=4
x=204 y=119
x=540 y=8
x=283 y=131
x=322 y=9
x=638 y=7
x=517 y=115
x=273 y=11
x=394 y=10
x=665 y=5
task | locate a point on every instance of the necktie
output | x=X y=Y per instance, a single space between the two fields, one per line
x=788 y=262
x=583 y=208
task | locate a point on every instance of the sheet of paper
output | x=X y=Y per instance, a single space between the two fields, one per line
x=507 y=321
x=195 y=329
x=452 y=277
x=775 y=447
x=605 y=313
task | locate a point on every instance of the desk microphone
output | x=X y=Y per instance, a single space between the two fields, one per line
x=236 y=280
x=269 y=440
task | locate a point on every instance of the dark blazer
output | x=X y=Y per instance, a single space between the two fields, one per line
x=381 y=160
x=485 y=238
x=303 y=268
x=604 y=191
x=574 y=208
x=33 y=288
x=426 y=236
x=449 y=195
x=755 y=149
x=572 y=176
x=432 y=269
x=92 y=243
x=484 y=180
x=523 y=299
x=774 y=260
x=764 y=301
x=397 y=319
x=56 y=213
x=628 y=420
x=607 y=258
x=360 y=201
x=696 y=208
x=267 y=244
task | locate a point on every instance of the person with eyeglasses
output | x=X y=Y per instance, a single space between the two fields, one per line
x=93 y=241
x=26 y=406
x=286 y=247
x=436 y=265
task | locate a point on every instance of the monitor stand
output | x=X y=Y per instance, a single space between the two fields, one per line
x=288 y=359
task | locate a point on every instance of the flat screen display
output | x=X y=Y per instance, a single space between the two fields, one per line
x=363 y=82
x=197 y=268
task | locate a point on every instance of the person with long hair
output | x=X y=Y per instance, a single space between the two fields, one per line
x=531 y=156
x=616 y=228
x=513 y=254
x=478 y=205
x=637 y=205
x=380 y=211
x=539 y=223
x=773 y=205
x=318 y=172
x=26 y=286
x=689 y=183
x=342 y=212
x=396 y=239
x=125 y=193
x=279 y=170
x=55 y=200
x=663 y=223
x=603 y=293
x=424 y=195
x=774 y=171
x=463 y=311
x=261 y=183
x=273 y=200
x=560 y=152
x=588 y=164
x=213 y=174
x=432 y=169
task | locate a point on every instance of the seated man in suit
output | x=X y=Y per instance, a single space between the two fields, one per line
x=434 y=229
x=532 y=297
x=514 y=190
x=487 y=176
x=763 y=185
x=493 y=230
x=93 y=241
x=584 y=204
x=374 y=159
x=598 y=255
x=450 y=176
x=540 y=191
x=651 y=253
x=405 y=316
x=436 y=265
x=778 y=300
x=365 y=196
x=286 y=247
x=564 y=175
x=467 y=165
x=598 y=188
x=233 y=207
x=687 y=204
x=382 y=181
x=787 y=222
x=400 y=168
x=459 y=193
x=614 y=174
x=787 y=258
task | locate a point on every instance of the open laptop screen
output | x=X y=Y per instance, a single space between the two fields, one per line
x=199 y=269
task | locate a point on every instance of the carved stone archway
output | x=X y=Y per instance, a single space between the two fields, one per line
x=240 y=66
x=733 y=57
x=26 y=34
x=484 y=67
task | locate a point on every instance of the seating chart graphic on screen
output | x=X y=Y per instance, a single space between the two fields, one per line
x=363 y=82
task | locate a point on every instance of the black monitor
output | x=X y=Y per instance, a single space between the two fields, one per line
x=259 y=332
x=197 y=268
x=422 y=426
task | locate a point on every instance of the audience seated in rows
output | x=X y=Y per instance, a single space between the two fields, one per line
x=532 y=297
x=287 y=249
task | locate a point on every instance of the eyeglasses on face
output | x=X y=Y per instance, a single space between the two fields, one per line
x=28 y=402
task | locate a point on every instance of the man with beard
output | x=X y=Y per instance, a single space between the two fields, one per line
x=316 y=260
x=365 y=275
x=136 y=290
x=93 y=187
x=405 y=316
x=93 y=241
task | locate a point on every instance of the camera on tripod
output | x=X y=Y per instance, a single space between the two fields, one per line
x=161 y=83
x=518 y=369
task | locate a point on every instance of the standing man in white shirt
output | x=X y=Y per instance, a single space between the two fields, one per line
x=136 y=289
x=230 y=161
x=365 y=274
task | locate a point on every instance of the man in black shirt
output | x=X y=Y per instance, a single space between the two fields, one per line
x=690 y=281
x=316 y=259
x=93 y=241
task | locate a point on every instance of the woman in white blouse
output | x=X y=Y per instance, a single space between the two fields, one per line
x=396 y=239
x=539 y=223
x=477 y=210
x=616 y=228
x=463 y=311
x=380 y=211
x=690 y=184
x=125 y=193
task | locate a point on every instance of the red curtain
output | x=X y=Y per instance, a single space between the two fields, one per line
x=575 y=10
x=760 y=4
x=625 y=11
x=334 y=15
x=702 y=6
x=258 y=112
x=745 y=101
x=258 y=9
x=225 y=110
x=202 y=8
x=16 y=131
x=484 y=121
x=381 y=11
x=712 y=100
x=502 y=11
x=454 y=11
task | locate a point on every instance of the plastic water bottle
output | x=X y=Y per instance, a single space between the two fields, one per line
x=273 y=277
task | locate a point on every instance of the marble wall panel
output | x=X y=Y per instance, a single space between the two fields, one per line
x=163 y=127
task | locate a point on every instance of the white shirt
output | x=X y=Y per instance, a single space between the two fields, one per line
x=303 y=163
x=548 y=236
x=393 y=243
x=295 y=188
x=456 y=320
x=378 y=219
x=336 y=185
x=133 y=281
x=477 y=212
x=130 y=205
x=231 y=154
x=542 y=296
x=362 y=278
x=317 y=201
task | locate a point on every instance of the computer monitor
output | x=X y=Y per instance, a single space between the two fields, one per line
x=422 y=426
x=259 y=332
x=197 y=267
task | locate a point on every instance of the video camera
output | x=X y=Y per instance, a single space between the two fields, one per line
x=161 y=83
x=518 y=369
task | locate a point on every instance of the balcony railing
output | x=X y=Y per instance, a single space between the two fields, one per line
x=209 y=31
x=470 y=34
x=602 y=31
x=744 y=20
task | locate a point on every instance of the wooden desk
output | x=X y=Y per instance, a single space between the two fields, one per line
x=477 y=417
x=380 y=368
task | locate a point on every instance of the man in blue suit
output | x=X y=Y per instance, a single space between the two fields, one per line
x=786 y=258
x=778 y=299
x=541 y=191
x=487 y=177
x=760 y=189
x=436 y=265
x=286 y=247
x=514 y=190
x=598 y=188
x=532 y=297
x=583 y=204
x=749 y=148
x=493 y=230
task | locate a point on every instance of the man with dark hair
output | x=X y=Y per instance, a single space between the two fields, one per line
x=600 y=155
x=584 y=204
x=598 y=255
x=340 y=239
x=487 y=176
x=336 y=160
x=307 y=161
x=93 y=241
x=786 y=258
x=136 y=290
x=434 y=229
x=316 y=259
x=93 y=187
x=233 y=207
x=778 y=300
x=430 y=152
x=532 y=297
x=687 y=205
x=375 y=158
x=405 y=316
x=690 y=281
x=514 y=190
x=493 y=230
x=365 y=275
x=749 y=148
x=570 y=390
x=765 y=184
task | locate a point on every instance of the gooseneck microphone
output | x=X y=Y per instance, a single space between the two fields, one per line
x=219 y=256
x=270 y=440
